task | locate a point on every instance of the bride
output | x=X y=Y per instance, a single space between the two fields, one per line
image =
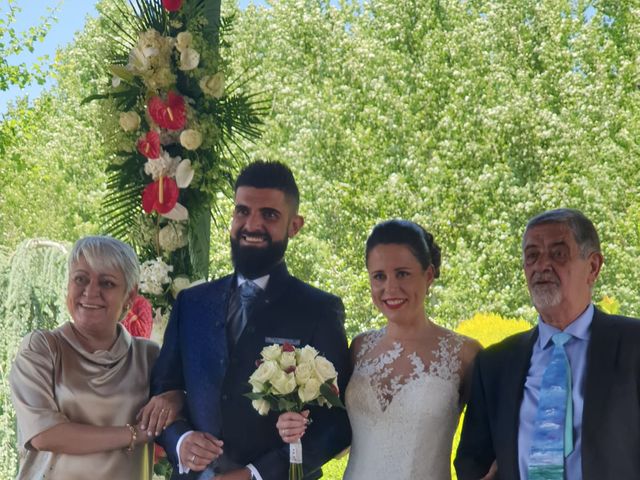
x=411 y=378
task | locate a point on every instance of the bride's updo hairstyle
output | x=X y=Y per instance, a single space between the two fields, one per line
x=410 y=234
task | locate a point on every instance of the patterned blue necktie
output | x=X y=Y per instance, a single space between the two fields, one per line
x=246 y=293
x=553 y=429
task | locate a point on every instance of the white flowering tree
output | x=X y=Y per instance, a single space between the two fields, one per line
x=468 y=117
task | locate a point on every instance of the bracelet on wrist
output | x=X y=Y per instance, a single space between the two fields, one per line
x=134 y=437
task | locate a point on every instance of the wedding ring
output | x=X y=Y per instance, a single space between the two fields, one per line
x=193 y=458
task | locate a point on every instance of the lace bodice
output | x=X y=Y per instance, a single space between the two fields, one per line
x=403 y=404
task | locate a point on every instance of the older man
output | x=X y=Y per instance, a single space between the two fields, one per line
x=561 y=401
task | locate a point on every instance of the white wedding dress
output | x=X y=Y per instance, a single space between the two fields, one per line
x=403 y=407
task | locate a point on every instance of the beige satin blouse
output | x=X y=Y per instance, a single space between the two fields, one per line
x=54 y=380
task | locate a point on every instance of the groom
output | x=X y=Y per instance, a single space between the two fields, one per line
x=211 y=346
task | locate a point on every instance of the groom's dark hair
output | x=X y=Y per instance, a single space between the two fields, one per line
x=277 y=175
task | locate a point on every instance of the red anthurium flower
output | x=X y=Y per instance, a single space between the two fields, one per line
x=172 y=5
x=160 y=201
x=290 y=369
x=149 y=145
x=171 y=114
x=139 y=319
x=287 y=347
x=158 y=453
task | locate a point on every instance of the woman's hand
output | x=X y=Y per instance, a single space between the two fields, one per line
x=160 y=412
x=292 y=426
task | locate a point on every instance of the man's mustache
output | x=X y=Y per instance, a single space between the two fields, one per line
x=544 y=277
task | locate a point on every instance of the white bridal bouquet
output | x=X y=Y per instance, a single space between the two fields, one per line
x=288 y=379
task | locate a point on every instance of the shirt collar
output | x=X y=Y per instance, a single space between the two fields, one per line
x=260 y=281
x=579 y=328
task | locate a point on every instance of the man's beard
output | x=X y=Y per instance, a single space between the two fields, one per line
x=254 y=262
x=546 y=295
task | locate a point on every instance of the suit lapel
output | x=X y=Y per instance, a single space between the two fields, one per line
x=511 y=398
x=602 y=356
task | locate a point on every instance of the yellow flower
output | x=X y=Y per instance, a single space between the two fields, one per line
x=489 y=328
x=609 y=305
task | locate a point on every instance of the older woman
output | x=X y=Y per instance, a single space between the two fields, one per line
x=78 y=389
x=411 y=378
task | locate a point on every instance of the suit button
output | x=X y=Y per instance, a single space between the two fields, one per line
x=225 y=397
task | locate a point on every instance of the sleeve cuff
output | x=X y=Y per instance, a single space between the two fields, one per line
x=254 y=472
x=181 y=468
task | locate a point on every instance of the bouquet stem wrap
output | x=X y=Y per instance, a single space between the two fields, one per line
x=295 y=461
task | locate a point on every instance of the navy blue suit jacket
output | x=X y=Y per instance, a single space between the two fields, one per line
x=195 y=358
x=610 y=418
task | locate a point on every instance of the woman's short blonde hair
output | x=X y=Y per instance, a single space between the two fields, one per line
x=102 y=252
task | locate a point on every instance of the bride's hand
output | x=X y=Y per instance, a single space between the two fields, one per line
x=292 y=426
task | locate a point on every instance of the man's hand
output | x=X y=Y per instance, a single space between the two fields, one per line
x=199 y=449
x=239 y=474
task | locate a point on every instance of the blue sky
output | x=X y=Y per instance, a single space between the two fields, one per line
x=71 y=16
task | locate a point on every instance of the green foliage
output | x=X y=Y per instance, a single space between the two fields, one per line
x=14 y=42
x=467 y=117
x=32 y=284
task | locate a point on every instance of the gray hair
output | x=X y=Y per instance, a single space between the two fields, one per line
x=102 y=252
x=584 y=232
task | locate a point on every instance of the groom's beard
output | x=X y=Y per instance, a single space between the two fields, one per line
x=254 y=262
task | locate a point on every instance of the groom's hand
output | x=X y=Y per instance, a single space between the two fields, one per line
x=199 y=449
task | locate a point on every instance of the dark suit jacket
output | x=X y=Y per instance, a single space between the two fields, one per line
x=611 y=415
x=195 y=358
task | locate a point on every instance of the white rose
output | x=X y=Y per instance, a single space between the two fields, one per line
x=213 y=85
x=287 y=360
x=183 y=40
x=190 y=139
x=272 y=352
x=129 y=121
x=325 y=369
x=283 y=383
x=307 y=354
x=189 y=59
x=265 y=372
x=262 y=406
x=310 y=390
x=179 y=284
x=303 y=373
x=256 y=387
